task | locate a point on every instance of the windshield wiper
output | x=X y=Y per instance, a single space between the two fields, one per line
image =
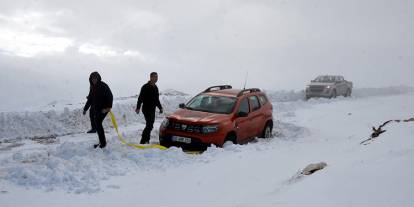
x=189 y=108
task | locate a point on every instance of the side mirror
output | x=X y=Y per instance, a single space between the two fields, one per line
x=181 y=105
x=242 y=114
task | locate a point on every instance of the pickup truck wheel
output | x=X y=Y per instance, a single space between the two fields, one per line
x=267 y=131
x=333 y=94
x=348 y=93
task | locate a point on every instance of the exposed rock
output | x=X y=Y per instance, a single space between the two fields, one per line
x=310 y=169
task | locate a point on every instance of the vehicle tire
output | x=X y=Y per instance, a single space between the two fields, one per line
x=348 y=93
x=333 y=95
x=164 y=143
x=267 y=131
x=231 y=137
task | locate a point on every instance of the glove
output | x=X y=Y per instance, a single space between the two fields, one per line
x=137 y=110
x=161 y=111
x=84 y=112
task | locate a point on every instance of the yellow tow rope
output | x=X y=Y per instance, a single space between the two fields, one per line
x=123 y=141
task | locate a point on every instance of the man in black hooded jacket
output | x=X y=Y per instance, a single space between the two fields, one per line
x=100 y=102
x=91 y=111
x=149 y=98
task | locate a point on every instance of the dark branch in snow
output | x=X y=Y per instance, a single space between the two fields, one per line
x=378 y=131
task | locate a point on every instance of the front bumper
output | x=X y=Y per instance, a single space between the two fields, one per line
x=322 y=94
x=196 y=144
x=199 y=141
x=319 y=93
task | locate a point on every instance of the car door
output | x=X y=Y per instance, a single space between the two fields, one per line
x=255 y=116
x=243 y=124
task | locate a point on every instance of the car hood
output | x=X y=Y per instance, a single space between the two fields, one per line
x=321 y=84
x=191 y=116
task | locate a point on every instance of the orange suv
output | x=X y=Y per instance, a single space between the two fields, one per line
x=217 y=115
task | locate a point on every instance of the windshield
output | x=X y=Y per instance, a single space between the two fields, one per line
x=212 y=104
x=325 y=79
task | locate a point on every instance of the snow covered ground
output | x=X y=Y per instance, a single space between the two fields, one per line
x=40 y=165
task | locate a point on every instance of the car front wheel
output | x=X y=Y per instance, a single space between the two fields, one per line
x=231 y=137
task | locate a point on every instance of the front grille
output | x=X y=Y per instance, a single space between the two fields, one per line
x=185 y=127
x=317 y=88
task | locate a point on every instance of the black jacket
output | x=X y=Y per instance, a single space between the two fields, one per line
x=100 y=95
x=149 y=97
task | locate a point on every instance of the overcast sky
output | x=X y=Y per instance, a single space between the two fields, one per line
x=49 y=48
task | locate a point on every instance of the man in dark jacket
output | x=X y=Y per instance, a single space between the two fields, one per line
x=91 y=111
x=100 y=101
x=149 y=99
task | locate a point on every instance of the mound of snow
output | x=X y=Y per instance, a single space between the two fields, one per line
x=172 y=92
x=76 y=167
x=290 y=96
x=368 y=92
x=69 y=120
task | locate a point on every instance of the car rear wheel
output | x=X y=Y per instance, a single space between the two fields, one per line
x=267 y=131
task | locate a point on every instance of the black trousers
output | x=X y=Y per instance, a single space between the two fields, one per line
x=99 y=117
x=92 y=118
x=149 y=115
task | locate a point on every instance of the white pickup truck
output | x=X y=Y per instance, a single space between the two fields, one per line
x=328 y=86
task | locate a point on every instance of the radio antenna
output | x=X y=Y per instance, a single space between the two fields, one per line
x=245 y=80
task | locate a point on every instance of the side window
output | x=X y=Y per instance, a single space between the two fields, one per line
x=255 y=103
x=262 y=99
x=244 y=106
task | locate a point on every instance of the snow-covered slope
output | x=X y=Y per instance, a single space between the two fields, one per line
x=62 y=118
x=264 y=173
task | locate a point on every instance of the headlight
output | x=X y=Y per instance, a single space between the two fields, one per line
x=165 y=123
x=210 y=129
x=328 y=87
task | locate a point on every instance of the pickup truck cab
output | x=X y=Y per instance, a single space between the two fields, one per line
x=328 y=86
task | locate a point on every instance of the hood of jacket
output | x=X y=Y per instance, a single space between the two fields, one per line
x=95 y=75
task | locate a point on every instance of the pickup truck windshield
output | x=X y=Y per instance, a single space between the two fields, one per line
x=212 y=104
x=325 y=79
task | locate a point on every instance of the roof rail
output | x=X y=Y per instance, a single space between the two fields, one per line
x=250 y=90
x=218 y=88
